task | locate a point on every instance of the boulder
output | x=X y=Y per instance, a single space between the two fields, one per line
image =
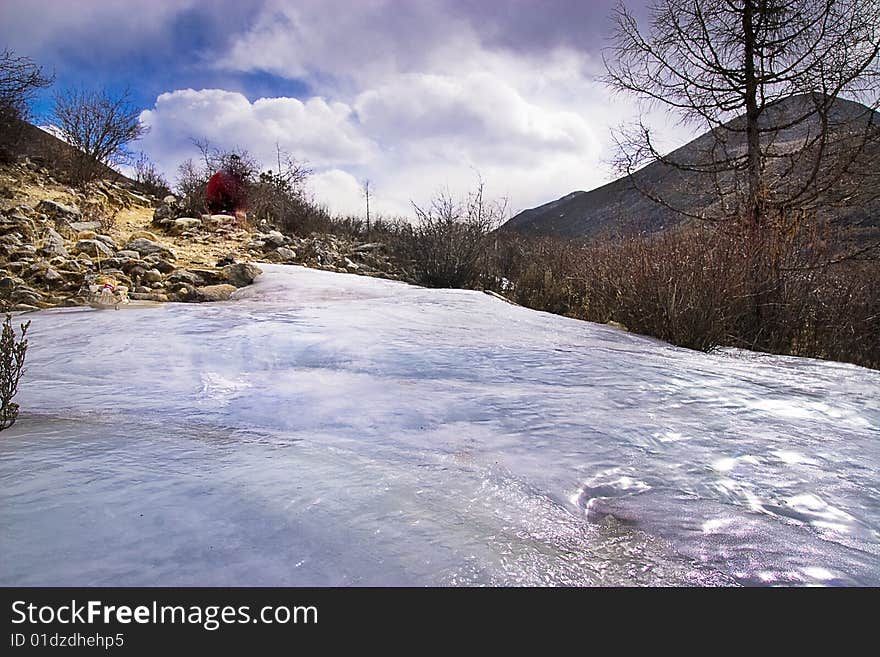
x=285 y=254
x=185 y=276
x=163 y=266
x=206 y=276
x=107 y=240
x=85 y=226
x=274 y=238
x=216 y=292
x=152 y=276
x=58 y=212
x=241 y=274
x=93 y=248
x=53 y=244
x=146 y=246
x=168 y=210
x=184 y=224
x=148 y=296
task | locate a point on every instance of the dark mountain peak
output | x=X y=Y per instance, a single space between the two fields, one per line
x=619 y=207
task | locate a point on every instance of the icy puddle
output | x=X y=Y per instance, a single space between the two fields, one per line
x=327 y=429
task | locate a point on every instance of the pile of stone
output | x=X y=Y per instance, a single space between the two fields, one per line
x=50 y=257
x=320 y=251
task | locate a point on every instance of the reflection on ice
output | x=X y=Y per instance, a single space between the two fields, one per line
x=333 y=430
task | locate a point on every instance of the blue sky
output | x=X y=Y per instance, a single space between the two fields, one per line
x=415 y=96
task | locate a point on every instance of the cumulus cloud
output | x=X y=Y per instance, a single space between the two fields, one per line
x=415 y=96
x=316 y=130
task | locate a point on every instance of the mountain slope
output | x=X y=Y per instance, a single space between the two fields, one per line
x=619 y=206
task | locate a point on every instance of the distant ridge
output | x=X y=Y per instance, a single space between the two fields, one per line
x=619 y=207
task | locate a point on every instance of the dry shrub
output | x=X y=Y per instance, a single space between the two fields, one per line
x=12 y=355
x=449 y=245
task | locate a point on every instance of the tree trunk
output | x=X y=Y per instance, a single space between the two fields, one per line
x=753 y=209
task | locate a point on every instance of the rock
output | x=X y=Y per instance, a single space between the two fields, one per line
x=128 y=255
x=162 y=265
x=118 y=263
x=183 y=224
x=185 y=276
x=372 y=246
x=24 y=294
x=208 y=276
x=185 y=292
x=216 y=292
x=146 y=246
x=51 y=277
x=274 y=237
x=24 y=308
x=107 y=240
x=143 y=234
x=94 y=248
x=285 y=254
x=148 y=296
x=167 y=211
x=59 y=212
x=241 y=274
x=152 y=276
x=53 y=243
x=351 y=265
x=83 y=226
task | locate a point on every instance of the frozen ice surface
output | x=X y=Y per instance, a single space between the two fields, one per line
x=328 y=429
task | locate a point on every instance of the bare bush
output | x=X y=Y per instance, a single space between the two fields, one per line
x=100 y=125
x=448 y=247
x=279 y=197
x=149 y=177
x=793 y=288
x=12 y=355
x=190 y=186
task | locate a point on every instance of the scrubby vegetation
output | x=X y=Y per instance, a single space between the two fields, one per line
x=787 y=290
x=12 y=354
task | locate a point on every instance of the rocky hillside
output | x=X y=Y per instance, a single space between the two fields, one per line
x=58 y=243
x=619 y=206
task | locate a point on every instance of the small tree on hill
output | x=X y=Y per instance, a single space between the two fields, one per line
x=100 y=125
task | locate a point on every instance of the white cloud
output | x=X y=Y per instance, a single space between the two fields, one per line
x=339 y=190
x=419 y=103
x=318 y=131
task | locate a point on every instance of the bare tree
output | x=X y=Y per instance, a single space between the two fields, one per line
x=149 y=177
x=20 y=79
x=367 y=187
x=768 y=79
x=99 y=124
x=451 y=240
